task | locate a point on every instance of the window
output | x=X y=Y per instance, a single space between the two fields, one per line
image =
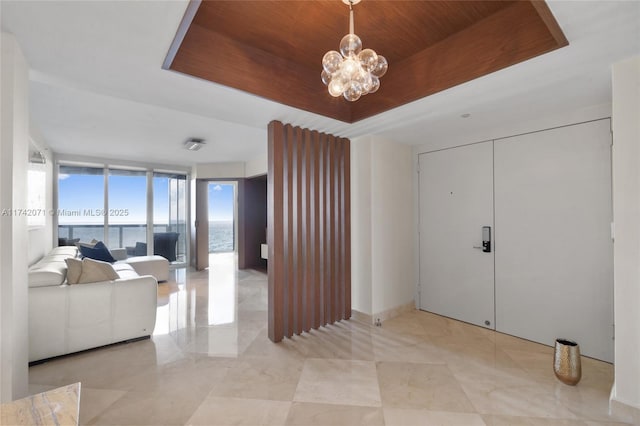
x=122 y=216
x=170 y=209
x=81 y=203
x=127 y=208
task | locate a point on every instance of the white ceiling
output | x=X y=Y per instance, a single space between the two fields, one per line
x=97 y=87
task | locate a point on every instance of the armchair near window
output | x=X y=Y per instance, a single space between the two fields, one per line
x=164 y=244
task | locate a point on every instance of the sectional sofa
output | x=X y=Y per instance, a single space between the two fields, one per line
x=66 y=318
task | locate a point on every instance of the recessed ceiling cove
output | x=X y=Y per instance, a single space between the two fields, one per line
x=274 y=49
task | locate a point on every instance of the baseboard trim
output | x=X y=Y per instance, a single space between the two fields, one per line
x=383 y=315
x=393 y=312
x=361 y=317
x=626 y=413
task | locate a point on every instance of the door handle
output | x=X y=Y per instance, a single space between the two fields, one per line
x=486 y=240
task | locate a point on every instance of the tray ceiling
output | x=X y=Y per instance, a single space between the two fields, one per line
x=274 y=49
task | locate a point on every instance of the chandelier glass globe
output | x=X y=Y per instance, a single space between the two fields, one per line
x=352 y=72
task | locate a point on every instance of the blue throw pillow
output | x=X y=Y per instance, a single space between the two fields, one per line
x=97 y=252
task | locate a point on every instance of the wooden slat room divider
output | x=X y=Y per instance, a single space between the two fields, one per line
x=309 y=230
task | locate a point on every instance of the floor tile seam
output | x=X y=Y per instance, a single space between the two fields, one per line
x=493 y=411
x=428 y=410
x=408 y=406
x=224 y=394
x=348 y=383
x=325 y=402
x=282 y=362
x=426 y=362
x=105 y=408
x=591 y=418
x=314 y=359
x=247 y=399
x=416 y=363
x=469 y=399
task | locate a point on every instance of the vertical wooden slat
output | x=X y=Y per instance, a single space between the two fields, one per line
x=317 y=247
x=309 y=230
x=290 y=287
x=340 y=230
x=275 y=231
x=347 y=226
x=324 y=244
x=299 y=255
x=327 y=231
x=334 y=228
x=293 y=143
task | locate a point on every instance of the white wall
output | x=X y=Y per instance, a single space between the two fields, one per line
x=256 y=167
x=251 y=168
x=41 y=238
x=219 y=170
x=626 y=216
x=392 y=231
x=481 y=134
x=14 y=149
x=361 y=225
x=382 y=224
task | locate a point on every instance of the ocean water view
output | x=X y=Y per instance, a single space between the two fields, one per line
x=221 y=236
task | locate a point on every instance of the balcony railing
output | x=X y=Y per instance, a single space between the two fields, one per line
x=122 y=235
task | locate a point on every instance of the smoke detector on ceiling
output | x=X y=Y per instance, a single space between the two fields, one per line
x=194 y=144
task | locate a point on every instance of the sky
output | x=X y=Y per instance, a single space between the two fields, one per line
x=128 y=200
x=220 y=202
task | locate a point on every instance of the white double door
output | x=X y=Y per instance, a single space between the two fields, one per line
x=546 y=197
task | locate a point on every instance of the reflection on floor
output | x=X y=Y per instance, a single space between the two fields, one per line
x=209 y=362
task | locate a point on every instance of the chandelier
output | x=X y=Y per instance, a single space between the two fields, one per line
x=352 y=72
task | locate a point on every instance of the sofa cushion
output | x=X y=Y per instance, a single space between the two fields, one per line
x=156 y=266
x=47 y=275
x=74 y=270
x=125 y=271
x=90 y=244
x=122 y=266
x=50 y=258
x=128 y=274
x=69 y=251
x=119 y=253
x=95 y=271
x=97 y=252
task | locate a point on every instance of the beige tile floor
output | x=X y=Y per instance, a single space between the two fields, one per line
x=209 y=362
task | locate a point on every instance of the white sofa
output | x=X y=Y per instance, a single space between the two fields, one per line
x=67 y=318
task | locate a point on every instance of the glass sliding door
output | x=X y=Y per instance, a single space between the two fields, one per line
x=127 y=213
x=170 y=216
x=81 y=214
x=124 y=216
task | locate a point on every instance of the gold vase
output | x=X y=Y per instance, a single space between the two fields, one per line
x=566 y=362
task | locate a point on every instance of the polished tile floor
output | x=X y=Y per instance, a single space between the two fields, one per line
x=210 y=362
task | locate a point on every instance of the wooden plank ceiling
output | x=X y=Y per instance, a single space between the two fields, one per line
x=274 y=48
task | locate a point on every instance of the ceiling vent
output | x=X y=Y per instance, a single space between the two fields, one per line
x=194 y=144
